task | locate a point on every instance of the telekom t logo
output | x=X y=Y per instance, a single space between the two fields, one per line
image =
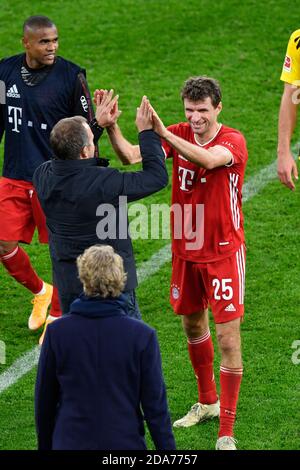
x=15 y=117
x=185 y=177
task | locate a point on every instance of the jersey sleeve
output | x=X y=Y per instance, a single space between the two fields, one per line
x=291 y=66
x=168 y=150
x=82 y=102
x=236 y=144
x=82 y=106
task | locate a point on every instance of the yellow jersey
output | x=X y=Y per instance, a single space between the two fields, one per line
x=291 y=66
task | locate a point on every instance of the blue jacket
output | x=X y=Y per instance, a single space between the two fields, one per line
x=99 y=373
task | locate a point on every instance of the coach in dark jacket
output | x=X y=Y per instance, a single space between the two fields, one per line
x=100 y=370
x=81 y=199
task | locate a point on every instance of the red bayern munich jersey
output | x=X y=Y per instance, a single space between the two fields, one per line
x=213 y=196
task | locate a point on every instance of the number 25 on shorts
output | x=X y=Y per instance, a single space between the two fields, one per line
x=222 y=289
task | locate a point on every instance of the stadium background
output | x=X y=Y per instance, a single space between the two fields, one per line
x=150 y=47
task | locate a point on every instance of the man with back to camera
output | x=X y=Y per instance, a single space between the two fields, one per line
x=209 y=161
x=72 y=188
x=287 y=167
x=120 y=384
x=38 y=88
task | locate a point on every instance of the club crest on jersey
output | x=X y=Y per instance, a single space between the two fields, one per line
x=175 y=291
x=287 y=66
x=13 y=92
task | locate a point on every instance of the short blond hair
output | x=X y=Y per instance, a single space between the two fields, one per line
x=101 y=271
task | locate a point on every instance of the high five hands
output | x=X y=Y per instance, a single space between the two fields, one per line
x=147 y=118
x=107 y=111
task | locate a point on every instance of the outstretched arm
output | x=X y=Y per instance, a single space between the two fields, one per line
x=286 y=165
x=209 y=159
x=127 y=152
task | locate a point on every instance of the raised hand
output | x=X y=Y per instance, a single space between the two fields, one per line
x=143 y=119
x=158 y=125
x=98 y=93
x=107 y=111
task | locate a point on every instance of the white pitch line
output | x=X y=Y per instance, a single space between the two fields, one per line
x=19 y=368
x=30 y=359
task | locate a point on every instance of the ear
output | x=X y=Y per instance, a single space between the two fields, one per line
x=25 y=42
x=219 y=107
x=84 y=153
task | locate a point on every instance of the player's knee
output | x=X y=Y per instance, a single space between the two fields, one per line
x=195 y=325
x=7 y=247
x=228 y=342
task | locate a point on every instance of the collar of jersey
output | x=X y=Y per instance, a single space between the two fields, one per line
x=210 y=140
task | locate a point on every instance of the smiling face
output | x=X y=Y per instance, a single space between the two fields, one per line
x=40 y=46
x=202 y=117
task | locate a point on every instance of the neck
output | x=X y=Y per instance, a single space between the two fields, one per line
x=209 y=135
x=32 y=63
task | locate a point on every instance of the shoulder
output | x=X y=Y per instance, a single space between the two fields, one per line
x=11 y=62
x=43 y=168
x=60 y=325
x=234 y=141
x=67 y=64
x=102 y=172
x=12 y=59
x=293 y=47
x=144 y=332
x=295 y=37
x=232 y=135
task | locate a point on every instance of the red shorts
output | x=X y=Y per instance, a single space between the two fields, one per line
x=220 y=284
x=20 y=212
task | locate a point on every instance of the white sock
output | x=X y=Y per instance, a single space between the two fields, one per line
x=42 y=291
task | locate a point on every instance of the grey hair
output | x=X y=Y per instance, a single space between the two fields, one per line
x=68 y=137
x=101 y=271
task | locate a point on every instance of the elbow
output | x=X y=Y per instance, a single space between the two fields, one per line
x=209 y=165
x=131 y=158
x=161 y=182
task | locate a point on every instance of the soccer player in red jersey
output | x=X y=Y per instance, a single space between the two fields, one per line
x=208 y=252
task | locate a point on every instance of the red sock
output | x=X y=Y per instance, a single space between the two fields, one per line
x=18 y=265
x=55 y=310
x=201 y=352
x=230 y=381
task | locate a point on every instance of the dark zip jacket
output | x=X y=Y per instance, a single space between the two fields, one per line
x=81 y=199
